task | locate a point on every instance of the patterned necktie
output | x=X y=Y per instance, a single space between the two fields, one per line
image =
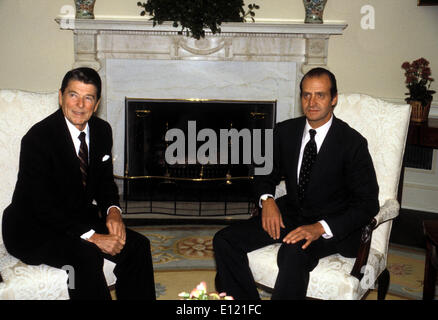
x=309 y=157
x=83 y=158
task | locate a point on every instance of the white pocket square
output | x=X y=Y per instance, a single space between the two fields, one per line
x=105 y=157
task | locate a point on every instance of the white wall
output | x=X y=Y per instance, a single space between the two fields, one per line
x=35 y=53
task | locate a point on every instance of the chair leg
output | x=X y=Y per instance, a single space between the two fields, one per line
x=383 y=284
x=430 y=274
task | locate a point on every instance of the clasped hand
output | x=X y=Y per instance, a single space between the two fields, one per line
x=272 y=221
x=113 y=242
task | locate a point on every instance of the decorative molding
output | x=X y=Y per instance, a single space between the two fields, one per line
x=316 y=51
x=98 y=39
x=266 y=28
x=421 y=186
x=85 y=42
x=202 y=47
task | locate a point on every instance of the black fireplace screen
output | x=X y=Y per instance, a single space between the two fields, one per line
x=204 y=180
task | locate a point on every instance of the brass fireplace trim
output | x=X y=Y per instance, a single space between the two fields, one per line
x=202 y=100
x=182 y=179
x=142 y=113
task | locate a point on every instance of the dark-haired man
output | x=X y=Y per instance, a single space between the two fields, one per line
x=332 y=192
x=65 y=209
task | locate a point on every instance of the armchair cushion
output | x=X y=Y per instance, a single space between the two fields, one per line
x=330 y=280
x=25 y=282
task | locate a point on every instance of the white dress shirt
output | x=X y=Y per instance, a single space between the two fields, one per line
x=321 y=133
x=74 y=132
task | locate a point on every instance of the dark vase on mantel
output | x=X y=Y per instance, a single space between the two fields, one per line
x=314 y=10
x=85 y=9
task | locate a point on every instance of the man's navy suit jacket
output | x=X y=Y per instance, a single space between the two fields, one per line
x=49 y=198
x=342 y=190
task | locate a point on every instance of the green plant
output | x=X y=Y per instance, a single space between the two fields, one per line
x=418 y=81
x=195 y=15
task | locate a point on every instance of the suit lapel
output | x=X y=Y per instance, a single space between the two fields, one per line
x=65 y=148
x=94 y=150
x=325 y=152
x=293 y=157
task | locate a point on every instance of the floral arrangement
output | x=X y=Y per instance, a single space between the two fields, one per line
x=194 y=16
x=200 y=293
x=418 y=81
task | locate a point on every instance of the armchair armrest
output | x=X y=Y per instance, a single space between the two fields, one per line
x=388 y=211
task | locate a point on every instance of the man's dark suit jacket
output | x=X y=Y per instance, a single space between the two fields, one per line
x=49 y=198
x=343 y=188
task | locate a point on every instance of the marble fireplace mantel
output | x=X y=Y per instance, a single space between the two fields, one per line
x=246 y=61
x=98 y=39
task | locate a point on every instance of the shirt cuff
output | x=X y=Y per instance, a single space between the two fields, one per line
x=328 y=232
x=88 y=235
x=107 y=211
x=260 y=200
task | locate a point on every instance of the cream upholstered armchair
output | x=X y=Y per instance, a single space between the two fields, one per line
x=385 y=126
x=19 y=111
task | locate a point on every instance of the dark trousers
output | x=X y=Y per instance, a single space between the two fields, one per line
x=234 y=276
x=134 y=268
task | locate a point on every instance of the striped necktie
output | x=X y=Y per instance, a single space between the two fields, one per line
x=83 y=158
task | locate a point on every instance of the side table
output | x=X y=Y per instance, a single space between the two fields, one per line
x=431 y=264
x=424 y=134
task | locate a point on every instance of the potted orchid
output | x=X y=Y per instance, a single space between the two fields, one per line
x=200 y=293
x=418 y=81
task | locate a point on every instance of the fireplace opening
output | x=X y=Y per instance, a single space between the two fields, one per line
x=207 y=179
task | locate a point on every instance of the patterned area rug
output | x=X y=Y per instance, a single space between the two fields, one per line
x=183 y=257
x=406 y=267
x=181 y=247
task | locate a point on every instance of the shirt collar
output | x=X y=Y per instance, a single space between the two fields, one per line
x=322 y=130
x=74 y=132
